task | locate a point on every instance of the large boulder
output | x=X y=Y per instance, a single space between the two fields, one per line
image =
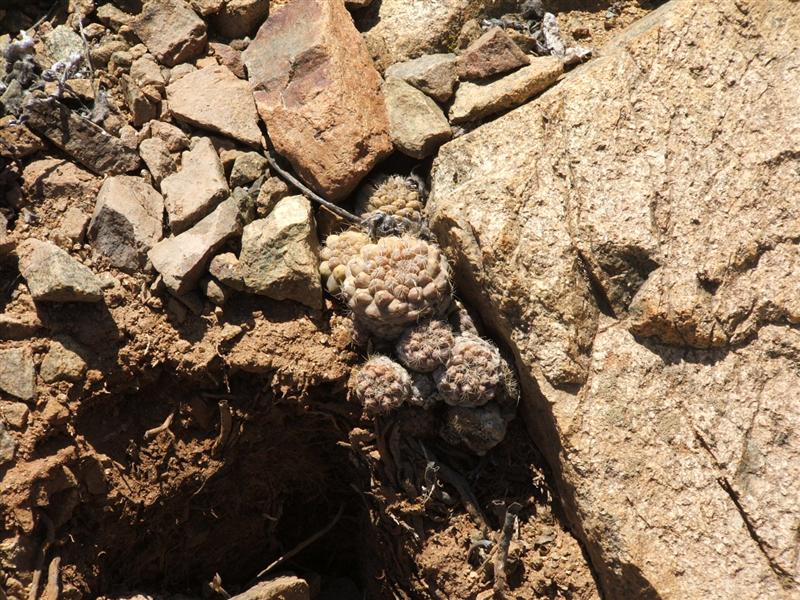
x=632 y=236
x=319 y=94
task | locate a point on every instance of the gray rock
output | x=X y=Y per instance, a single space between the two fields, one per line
x=218 y=294
x=397 y=30
x=53 y=275
x=155 y=154
x=199 y=185
x=213 y=98
x=287 y=587
x=17 y=373
x=247 y=167
x=417 y=125
x=280 y=254
x=476 y=101
x=8 y=446
x=672 y=424
x=240 y=18
x=62 y=362
x=434 y=74
x=84 y=141
x=61 y=43
x=225 y=268
x=182 y=259
x=494 y=53
x=127 y=221
x=171 y=30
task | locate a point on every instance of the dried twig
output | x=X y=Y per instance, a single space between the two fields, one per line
x=501 y=557
x=330 y=206
x=302 y=545
x=225 y=426
x=53 y=587
x=151 y=433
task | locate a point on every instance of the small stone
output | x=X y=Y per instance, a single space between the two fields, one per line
x=62 y=362
x=199 y=185
x=57 y=178
x=175 y=139
x=19 y=327
x=494 y=53
x=417 y=125
x=127 y=221
x=61 y=43
x=319 y=95
x=129 y=136
x=84 y=141
x=73 y=225
x=112 y=17
x=213 y=98
x=17 y=373
x=8 y=446
x=102 y=53
x=475 y=101
x=247 y=167
x=182 y=259
x=273 y=190
x=205 y=8
x=280 y=254
x=240 y=18
x=120 y=61
x=225 y=268
x=156 y=156
x=228 y=57
x=54 y=413
x=470 y=31
x=141 y=107
x=16 y=140
x=434 y=74
x=206 y=61
x=146 y=72
x=287 y=587
x=215 y=292
x=180 y=71
x=53 y=275
x=14 y=413
x=171 y=30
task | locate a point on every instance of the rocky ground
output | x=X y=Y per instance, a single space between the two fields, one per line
x=188 y=402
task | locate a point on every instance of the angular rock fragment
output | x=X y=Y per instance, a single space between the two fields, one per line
x=16 y=140
x=61 y=43
x=146 y=72
x=141 y=107
x=112 y=17
x=247 y=167
x=62 y=362
x=182 y=259
x=287 y=587
x=17 y=373
x=155 y=154
x=8 y=446
x=175 y=139
x=15 y=414
x=84 y=141
x=171 y=30
x=199 y=185
x=240 y=18
x=417 y=125
x=127 y=221
x=476 y=101
x=494 y=53
x=280 y=254
x=228 y=57
x=319 y=94
x=213 y=98
x=53 y=275
x=434 y=74
x=397 y=30
x=73 y=226
x=225 y=268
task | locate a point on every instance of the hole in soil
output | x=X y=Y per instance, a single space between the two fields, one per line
x=173 y=511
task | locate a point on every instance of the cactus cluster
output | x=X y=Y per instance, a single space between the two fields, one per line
x=392 y=195
x=398 y=290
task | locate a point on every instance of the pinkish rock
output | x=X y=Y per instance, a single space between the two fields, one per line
x=319 y=94
x=213 y=98
x=171 y=30
x=494 y=53
x=228 y=57
x=239 y=18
